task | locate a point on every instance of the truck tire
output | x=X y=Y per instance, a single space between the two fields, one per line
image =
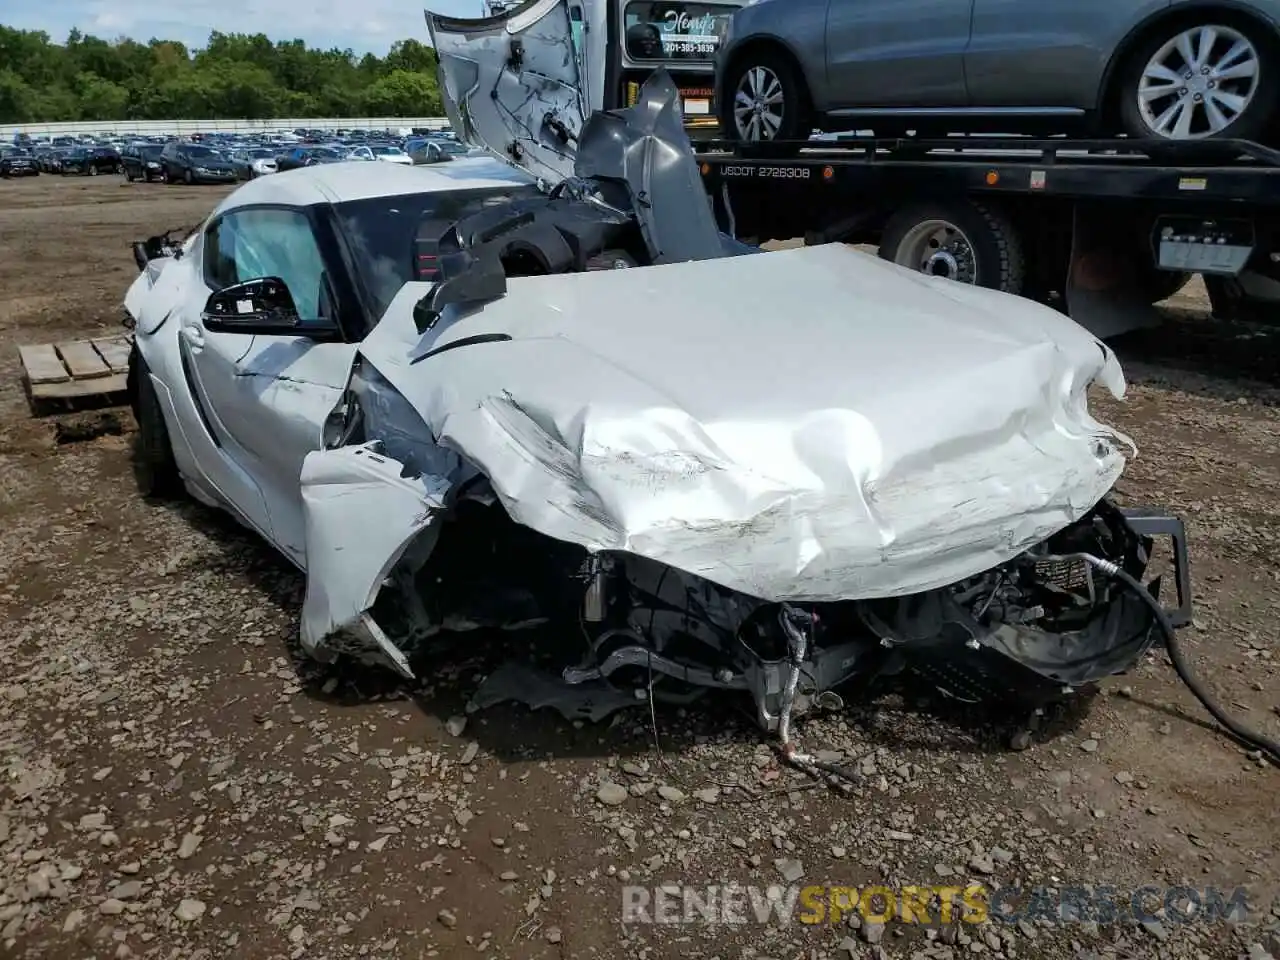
x=154 y=467
x=960 y=240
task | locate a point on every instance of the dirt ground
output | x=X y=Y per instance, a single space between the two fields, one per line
x=177 y=784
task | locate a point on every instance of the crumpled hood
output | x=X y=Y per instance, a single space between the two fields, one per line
x=812 y=424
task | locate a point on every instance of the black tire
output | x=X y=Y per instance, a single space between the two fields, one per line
x=128 y=175
x=155 y=469
x=796 y=122
x=1252 y=123
x=188 y=177
x=998 y=262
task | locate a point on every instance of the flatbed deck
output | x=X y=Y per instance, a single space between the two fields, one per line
x=1049 y=219
x=1227 y=170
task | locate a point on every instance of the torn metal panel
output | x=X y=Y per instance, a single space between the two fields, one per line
x=361 y=513
x=646 y=147
x=868 y=457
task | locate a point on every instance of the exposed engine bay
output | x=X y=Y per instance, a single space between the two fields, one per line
x=1019 y=637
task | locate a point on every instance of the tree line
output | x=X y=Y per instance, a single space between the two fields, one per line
x=236 y=76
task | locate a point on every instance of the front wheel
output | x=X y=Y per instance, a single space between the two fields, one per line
x=188 y=177
x=764 y=99
x=155 y=469
x=963 y=241
x=1198 y=80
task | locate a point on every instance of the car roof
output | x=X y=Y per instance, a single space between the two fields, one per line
x=362 y=180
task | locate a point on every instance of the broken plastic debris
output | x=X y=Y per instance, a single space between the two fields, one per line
x=538 y=688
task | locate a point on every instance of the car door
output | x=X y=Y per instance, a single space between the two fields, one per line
x=1047 y=53
x=266 y=398
x=897 y=53
x=511 y=85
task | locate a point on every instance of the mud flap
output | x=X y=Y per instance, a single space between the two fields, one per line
x=361 y=513
x=1103 y=294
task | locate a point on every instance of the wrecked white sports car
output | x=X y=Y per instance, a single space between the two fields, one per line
x=436 y=393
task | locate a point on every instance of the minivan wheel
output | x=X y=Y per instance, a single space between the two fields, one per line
x=93 y=170
x=1201 y=79
x=962 y=241
x=764 y=99
x=188 y=177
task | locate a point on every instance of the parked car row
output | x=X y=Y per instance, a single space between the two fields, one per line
x=223 y=158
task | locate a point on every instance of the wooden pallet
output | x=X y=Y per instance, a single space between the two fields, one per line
x=76 y=369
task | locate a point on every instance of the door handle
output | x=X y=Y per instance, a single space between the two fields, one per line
x=194 y=336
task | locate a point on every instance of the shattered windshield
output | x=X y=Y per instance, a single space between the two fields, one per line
x=383 y=232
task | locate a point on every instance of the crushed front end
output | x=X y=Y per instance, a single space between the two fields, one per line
x=1021 y=635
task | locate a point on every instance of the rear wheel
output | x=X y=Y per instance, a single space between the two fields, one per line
x=963 y=241
x=764 y=99
x=1209 y=75
x=155 y=469
x=93 y=170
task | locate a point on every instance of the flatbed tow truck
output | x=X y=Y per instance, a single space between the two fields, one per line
x=1102 y=229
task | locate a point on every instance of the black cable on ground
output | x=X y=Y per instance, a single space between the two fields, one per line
x=1241 y=733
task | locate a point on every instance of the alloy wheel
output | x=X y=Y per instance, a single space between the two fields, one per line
x=1198 y=83
x=758 y=104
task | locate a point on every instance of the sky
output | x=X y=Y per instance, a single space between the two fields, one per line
x=363 y=25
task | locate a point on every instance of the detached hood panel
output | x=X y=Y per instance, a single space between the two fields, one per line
x=813 y=424
x=510 y=84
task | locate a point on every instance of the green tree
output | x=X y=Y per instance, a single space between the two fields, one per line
x=100 y=99
x=233 y=76
x=403 y=93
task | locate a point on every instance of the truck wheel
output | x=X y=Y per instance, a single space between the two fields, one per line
x=963 y=241
x=155 y=469
x=764 y=99
x=1209 y=74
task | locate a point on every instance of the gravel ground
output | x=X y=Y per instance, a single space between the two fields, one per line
x=178 y=784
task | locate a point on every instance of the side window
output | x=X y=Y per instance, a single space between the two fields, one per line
x=256 y=243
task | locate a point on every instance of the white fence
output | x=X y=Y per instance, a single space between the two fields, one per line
x=181 y=127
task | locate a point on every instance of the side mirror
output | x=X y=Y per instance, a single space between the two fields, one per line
x=262 y=306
